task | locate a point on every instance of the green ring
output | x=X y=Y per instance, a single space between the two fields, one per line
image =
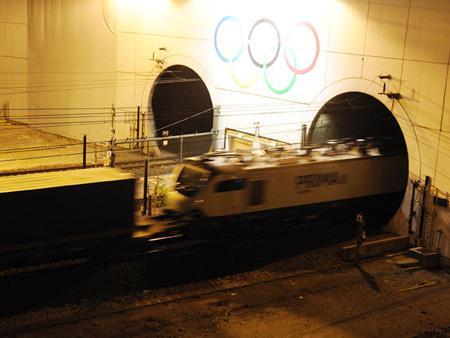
x=285 y=89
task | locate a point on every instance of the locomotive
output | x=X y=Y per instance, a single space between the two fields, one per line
x=284 y=181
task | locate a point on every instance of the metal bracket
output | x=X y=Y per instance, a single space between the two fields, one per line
x=395 y=96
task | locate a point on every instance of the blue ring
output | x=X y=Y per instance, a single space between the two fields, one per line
x=223 y=58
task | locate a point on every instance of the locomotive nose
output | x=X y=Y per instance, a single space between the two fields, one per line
x=178 y=203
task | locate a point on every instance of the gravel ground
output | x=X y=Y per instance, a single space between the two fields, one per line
x=267 y=288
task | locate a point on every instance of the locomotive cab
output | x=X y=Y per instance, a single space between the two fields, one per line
x=206 y=191
x=189 y=183
x=226 y=195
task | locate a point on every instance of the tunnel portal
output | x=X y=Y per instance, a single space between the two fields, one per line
x=181 y=105
x=356 y=115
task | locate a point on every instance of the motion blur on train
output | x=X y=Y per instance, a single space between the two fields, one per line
x=335 y=179
x=95 y=208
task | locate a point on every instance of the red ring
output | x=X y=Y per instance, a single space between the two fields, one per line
x=316 y=56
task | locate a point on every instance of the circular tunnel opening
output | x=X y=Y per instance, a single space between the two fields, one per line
x=181 y=105
x=356 y=115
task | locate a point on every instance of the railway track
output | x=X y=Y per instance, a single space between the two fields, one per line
x=282 y=241
x=162 y=165
x=134 y=164
x=173 y=237
x=181 y=262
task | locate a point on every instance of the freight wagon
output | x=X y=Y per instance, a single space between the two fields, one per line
x=65 y=209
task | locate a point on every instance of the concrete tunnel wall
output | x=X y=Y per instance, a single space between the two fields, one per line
x=316 y=51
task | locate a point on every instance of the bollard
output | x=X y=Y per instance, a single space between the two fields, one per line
x=84 y=151
x=181 y=149
x=303 y=137
x=361 y=236
x=138 y=124
x=144 y=207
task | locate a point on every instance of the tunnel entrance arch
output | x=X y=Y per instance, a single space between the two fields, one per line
x=181 y=104
x=357 y=115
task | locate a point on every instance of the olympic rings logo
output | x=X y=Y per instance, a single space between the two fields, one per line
x=272 y=54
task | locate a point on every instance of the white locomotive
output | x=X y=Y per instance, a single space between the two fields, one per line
x=225 y=184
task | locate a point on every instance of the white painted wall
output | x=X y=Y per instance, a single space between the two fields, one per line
x=359 y=40
x=13 y=56
x=72 y=66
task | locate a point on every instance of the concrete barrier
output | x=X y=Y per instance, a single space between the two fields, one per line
x=373 y=248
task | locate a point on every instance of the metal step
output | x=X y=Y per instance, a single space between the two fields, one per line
x=426 y=258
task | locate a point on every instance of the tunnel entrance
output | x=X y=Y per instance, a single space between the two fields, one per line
x=181 y=105
x=356 y=115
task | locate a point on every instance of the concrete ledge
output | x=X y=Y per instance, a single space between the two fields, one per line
x=373 y=248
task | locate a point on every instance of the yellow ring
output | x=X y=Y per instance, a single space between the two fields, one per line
x=243 y=84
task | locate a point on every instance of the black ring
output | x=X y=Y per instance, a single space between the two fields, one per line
x=256 y=63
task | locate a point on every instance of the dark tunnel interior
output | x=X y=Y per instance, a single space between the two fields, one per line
x=181 y=105
x=357 y=115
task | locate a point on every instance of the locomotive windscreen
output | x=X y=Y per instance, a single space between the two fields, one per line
x=191 y=179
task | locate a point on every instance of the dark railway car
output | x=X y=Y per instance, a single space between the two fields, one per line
x=64 y=208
